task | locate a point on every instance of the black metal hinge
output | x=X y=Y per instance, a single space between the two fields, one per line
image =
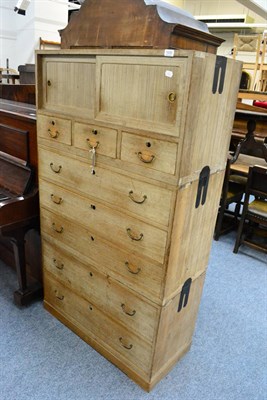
x=184 y=294
x=203 y=184
x=219 y=74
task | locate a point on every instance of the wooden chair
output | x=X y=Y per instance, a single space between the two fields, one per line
x=249 y=151
x=254 y=212
x=249 y=44
x=232 y=192
x=261 y=85
x=256 y=152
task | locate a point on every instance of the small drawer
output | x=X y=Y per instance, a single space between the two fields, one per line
x=150 y=153
x=92 y=320
x=86 y=137
x=54 y=129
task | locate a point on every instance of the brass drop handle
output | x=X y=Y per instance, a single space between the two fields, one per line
x=130 y=313
x=128 y=347
x=49 y=83
x=132 y=271
x=56 y=170
x=60 y=230
x=137 y=201
x=59 y=296
x=92 y=146
x=58 y=266
x=52 y=133
x=145 y=160
x=129 y=233
x=171 y=97
x=56 y=199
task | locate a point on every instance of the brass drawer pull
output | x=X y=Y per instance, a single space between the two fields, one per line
x=49 y=83
x=137 y=201
x=59 y=296
x=171 y=97
x=92 y=146
x=53 y=134
x=128 y=347
x=56 y=170
x=56 y=199
x=144 y=160
x=132 y=271
x=60 y=230
x=129 y=233
x=58 y=266
x=131 y=313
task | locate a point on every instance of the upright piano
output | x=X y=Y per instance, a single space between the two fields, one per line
x=19 y=204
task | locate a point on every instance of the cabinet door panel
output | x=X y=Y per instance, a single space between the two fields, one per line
x=69 y=85
x=146 y=93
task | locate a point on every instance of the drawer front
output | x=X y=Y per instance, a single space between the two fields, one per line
x=149 y=153
x=150 y=202
x=54 y=129
x=86 y=137
x=116 y=227
x=140 y=274
x=103 y=291
x=92 y=321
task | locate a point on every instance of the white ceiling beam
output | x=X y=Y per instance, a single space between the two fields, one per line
x=257 y=6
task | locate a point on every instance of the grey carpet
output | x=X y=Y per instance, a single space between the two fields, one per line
x=41 y=359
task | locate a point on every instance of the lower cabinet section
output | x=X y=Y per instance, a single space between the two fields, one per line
x=144 y=340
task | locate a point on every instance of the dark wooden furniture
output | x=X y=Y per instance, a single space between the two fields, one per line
x=244 y=113
x=254 y=212
x=131 y=24
x=249 y=152
x=27 y=74
x=19 y=203
x=232 y=192
x=17 y=112
x=19 y=93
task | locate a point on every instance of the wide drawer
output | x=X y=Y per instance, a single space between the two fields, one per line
x=95 y=323
x=149 y=202
x=140 y=274
x=116 y=227
x=148 y=152
x=54 y=129
x=115 y=299
x=88 y=137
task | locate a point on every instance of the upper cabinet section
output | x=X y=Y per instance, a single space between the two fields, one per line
x=141 y=92
x=133 y=91
x=68 y=85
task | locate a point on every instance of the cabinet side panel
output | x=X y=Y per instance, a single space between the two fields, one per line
x=210 y=115
x=192 y=233
x=176 y=328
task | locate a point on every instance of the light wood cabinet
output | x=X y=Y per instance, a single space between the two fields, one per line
x=132 y=148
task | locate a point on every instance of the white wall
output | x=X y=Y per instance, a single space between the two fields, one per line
x=19 y=34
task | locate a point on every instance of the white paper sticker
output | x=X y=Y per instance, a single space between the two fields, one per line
x=168 y=53
x=169 y=74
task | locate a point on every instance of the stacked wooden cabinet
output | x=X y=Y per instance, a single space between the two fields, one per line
x=132 y=149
